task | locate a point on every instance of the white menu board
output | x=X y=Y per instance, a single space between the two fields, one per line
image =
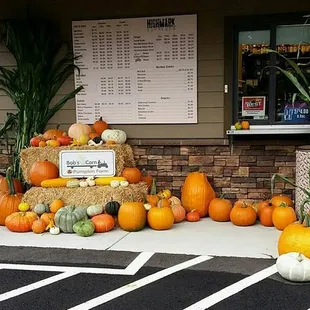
x=137 y=70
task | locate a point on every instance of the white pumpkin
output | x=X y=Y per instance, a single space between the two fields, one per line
x=77 y=130
x=294 y=267
x=116 y=135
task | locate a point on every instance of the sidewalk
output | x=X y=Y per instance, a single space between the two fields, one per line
x=205 y=237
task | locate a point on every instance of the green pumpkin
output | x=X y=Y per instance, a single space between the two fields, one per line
x=41 y=208
x=94 y=210
x=112 y=207
x=84 y=228
x=67 y=216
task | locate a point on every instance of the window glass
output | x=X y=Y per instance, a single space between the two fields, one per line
x=253 y=80
x=293 y=42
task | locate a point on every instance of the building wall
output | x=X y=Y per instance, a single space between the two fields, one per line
x=210 y=52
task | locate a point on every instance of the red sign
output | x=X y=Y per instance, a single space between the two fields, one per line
x=253 y=106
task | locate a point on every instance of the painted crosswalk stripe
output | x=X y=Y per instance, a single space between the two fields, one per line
x=139 y=283
x=233 y=289
x=131 y=269
x=36 y=285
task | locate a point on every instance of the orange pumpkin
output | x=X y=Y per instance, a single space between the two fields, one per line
x=193 y=216
x=245 y=124
x=132 y=216
x=132 y=175
x=4 y=186
x=78 y=129
x=262 y=204
x=265 y=215
x=295 y=238
x=163 y=203
x=244 y=215
x=100 y=126
x=219 y=209
x=93 y=135
x=47 y=217
x=178 y=212
x=38 y=226
x=160 y=218
x=282 y=216
x=20 y=221
x=56 y=205
x=42 y=144
x=41 y=171
x=152 y=198
x=52 y=134
x=103 y=222
x=279 y=200
x=147 y=178
x=197 y=193
x=10 y=200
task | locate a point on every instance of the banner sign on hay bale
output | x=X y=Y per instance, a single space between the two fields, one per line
x=85 y=196
x=123 y=156
x=86 y=163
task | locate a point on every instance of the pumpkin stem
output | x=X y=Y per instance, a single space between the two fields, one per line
x=154 y=187
x=144 y=173
x=244 y=204
x=9 y=179
x=57 y=127
x=222 y=195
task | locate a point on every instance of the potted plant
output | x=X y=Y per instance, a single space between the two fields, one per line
x=42 y=66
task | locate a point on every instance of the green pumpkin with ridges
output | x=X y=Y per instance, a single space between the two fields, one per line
x=84 y=228
x=67 y=216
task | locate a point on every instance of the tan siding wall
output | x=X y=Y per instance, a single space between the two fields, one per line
x=210 y=52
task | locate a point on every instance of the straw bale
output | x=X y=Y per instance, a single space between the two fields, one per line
x=28 y=156
x=85 y=196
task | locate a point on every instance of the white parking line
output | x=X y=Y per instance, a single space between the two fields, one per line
x=233 y=289
x=139 y=283
x=36 y=285
x=131 y=269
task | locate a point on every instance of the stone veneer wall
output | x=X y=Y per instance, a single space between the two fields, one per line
x=243 y=172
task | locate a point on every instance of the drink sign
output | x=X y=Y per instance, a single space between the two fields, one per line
x=86 y=163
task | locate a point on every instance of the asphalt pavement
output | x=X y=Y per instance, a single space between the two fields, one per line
x=42 y=278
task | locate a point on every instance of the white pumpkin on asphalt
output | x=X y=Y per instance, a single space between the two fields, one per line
x=115 y=135
x=294 y=267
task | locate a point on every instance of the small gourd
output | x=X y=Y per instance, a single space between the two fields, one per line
x=112 y=207
x=84 y=228
x=147 y=206
x=90 y=181
x=114 y=183
x=40 y=208
x=294 y=266
x=94 y=210
x=83 y=183
x=54 y=230
x=124 y=183
x=23 y=207
x=73 y=183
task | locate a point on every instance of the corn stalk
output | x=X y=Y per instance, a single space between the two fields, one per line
x=41 y=69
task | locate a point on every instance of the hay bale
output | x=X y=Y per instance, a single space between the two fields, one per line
x=123 y=156
x=85 y=196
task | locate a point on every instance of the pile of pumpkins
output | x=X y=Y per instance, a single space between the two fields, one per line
x=80 y=134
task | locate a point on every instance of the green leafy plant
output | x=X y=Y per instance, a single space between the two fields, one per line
x=285 y=179
x=42 y=66
x=296 y=76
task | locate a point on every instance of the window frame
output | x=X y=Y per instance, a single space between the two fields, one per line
x=235 y=24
